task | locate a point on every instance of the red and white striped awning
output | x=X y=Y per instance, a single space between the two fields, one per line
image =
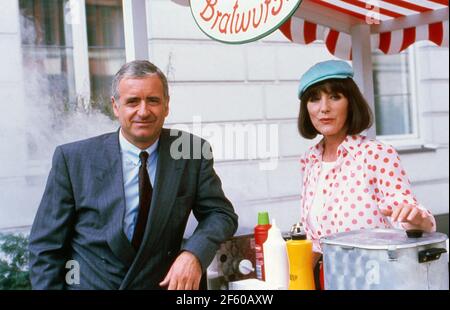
x=394 y=24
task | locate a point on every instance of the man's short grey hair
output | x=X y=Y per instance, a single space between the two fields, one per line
x=138 y=69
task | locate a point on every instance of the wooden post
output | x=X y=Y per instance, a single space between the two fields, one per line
x=77 y=18
x=362 y=65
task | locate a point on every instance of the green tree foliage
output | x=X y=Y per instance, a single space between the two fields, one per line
x=14 y=257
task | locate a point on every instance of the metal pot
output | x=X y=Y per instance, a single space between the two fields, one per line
x=385 y=259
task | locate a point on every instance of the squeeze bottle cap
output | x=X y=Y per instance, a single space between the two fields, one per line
x=263 y=218
x=297 y=232
x=274 y=230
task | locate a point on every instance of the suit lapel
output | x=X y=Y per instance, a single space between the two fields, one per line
x=112 y=199
x=168 y=175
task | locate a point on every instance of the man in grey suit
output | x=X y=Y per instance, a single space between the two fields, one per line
x=116 y=206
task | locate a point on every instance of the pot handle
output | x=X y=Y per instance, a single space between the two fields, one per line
x=432 y=254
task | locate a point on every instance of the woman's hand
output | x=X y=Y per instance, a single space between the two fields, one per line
x=315 y=259
x=410 y=216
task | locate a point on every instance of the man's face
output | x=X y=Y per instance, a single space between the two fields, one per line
x=142 y=109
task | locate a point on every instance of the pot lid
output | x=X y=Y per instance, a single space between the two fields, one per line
x=377 y=239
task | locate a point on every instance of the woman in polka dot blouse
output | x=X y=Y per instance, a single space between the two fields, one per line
x=350 y=182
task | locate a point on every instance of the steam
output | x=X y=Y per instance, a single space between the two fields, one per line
x=52 y=117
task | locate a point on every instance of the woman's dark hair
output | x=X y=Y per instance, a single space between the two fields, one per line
x=359 y=115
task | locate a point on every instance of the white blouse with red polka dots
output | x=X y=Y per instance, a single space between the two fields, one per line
x=367 y=177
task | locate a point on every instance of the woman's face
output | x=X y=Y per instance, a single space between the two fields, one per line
x=328 y=113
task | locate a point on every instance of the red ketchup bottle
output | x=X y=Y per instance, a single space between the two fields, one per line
x=261 y=232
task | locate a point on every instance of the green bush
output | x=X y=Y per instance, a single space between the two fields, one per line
x=14 y=256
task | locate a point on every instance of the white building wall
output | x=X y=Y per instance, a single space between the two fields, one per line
x=430 y=171
x=257 y=83
x=14 y=208
x=238 y=84
x=248 y=84
x=28 y=120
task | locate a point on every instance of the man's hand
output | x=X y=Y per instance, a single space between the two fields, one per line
x=411 y=217
x=184 y=274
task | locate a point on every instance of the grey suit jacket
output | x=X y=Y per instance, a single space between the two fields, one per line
x=81 y=216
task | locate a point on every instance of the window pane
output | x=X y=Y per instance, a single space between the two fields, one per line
x=392 y=115
x=47 y=57
x=106 y=48
x=393 y=100
x=44 y=21
x=46 y=54
x=53 y=68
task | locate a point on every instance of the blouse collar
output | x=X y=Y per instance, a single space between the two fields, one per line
x=351 y=145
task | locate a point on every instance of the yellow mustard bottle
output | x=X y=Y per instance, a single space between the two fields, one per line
x=301 y=274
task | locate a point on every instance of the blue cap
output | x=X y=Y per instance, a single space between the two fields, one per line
x=330 y=69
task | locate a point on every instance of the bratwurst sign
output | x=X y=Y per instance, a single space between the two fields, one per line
x=241 y=21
